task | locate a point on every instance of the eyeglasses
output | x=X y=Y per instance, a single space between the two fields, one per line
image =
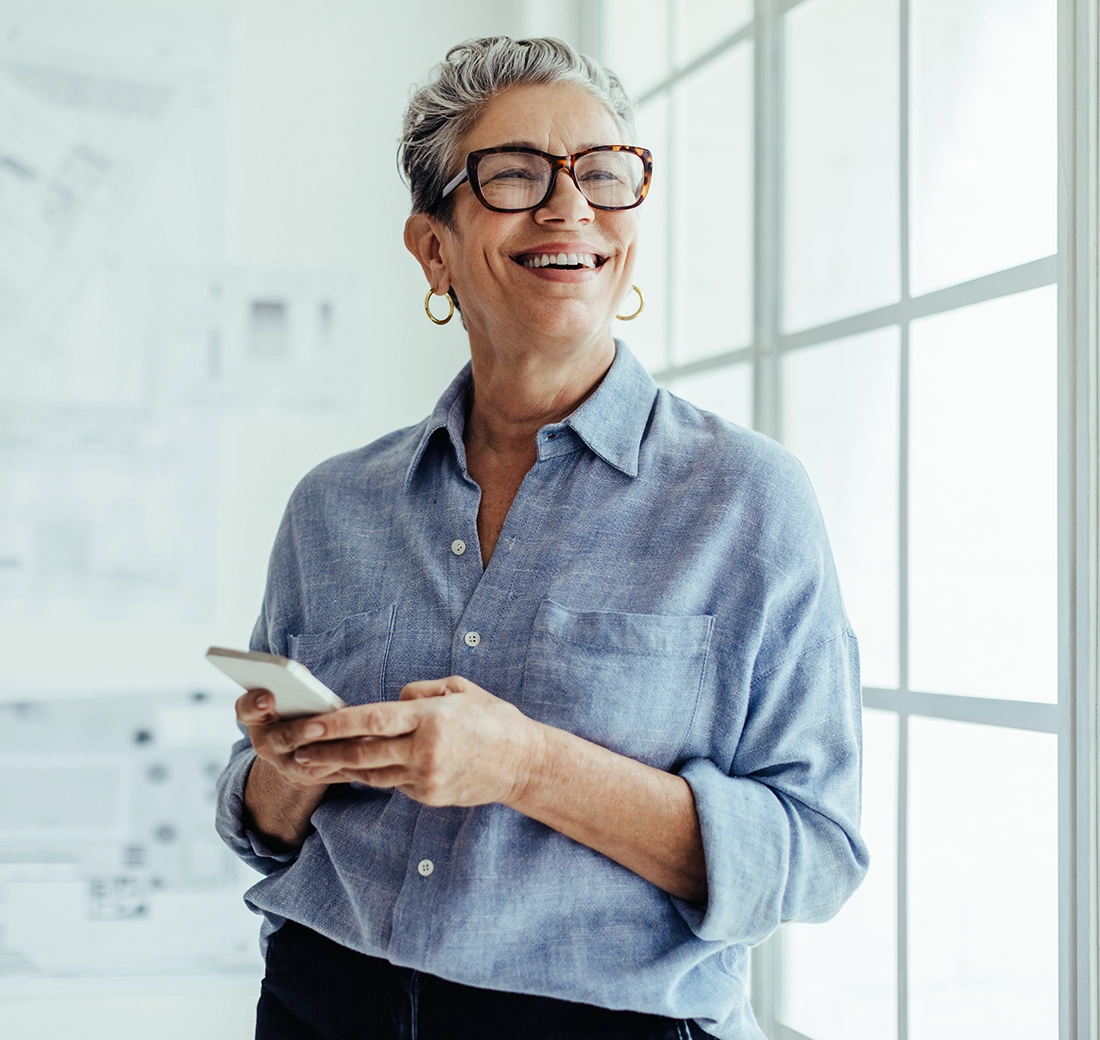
x=513 y=179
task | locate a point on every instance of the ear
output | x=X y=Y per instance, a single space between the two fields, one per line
x=423 y=238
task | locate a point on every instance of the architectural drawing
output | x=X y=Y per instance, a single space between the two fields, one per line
x=243 y=339
x=107 y=515
x=124 y=335
x=109 y=864
x=75 y=142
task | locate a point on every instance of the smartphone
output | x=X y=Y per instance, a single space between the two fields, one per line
x=297 y=691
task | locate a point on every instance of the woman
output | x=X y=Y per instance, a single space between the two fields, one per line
x=603 y=731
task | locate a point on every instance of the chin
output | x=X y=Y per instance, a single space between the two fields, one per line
x=571 y=324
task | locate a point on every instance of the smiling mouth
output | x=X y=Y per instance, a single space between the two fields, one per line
x=562 y=261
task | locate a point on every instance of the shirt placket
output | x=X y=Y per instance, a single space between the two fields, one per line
x=478 y=599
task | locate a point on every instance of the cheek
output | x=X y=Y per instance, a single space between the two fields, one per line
x=623 y=230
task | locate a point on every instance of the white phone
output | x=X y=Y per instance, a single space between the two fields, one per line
x=297 y=691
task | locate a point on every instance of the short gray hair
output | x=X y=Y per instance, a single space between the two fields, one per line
x=446 y=108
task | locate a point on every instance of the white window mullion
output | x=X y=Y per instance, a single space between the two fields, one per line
x=1079 y=508
x=767 y=969
x=902 y=852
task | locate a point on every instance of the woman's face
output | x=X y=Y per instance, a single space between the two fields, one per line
x=485 y=252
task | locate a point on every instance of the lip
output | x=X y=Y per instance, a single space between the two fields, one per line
x=551 y=274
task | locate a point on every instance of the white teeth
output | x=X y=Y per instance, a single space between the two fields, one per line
x=561 y=260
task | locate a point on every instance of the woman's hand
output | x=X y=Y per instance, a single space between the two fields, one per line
x=445 y=742
x=449 y=742
x=279 y=796
x=274 y=740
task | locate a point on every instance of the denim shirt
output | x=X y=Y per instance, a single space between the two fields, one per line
x=662 y=586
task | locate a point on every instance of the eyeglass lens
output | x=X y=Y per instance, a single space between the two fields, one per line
x=518 y=180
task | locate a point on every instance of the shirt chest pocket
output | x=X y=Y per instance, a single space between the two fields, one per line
x=629 y=682
x=351 y=658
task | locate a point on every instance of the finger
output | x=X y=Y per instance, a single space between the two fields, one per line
x=356 y=753
x=256 y=708
x=308 y=773
x=433 y=688
x=393 y=776
x=276 y=739
x=382 y=719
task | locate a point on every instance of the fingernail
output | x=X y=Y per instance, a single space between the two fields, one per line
x=301 y=758
x=314 y=729
x=263 y=703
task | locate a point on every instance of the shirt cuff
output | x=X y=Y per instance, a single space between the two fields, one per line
x=246 y=843
x=746 y=842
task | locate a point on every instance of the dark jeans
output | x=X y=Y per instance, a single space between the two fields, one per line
x=315 y=989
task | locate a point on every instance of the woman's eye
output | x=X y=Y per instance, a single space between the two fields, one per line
x=601 y=176
x=516 y=173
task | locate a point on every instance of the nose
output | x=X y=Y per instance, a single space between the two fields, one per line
x=566 y=204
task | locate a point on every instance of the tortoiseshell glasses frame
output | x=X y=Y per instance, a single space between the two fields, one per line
x=556 y=163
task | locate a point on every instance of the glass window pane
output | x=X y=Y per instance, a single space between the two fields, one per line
x=840 y=417
x=841 y=212
x=984 y=129
x=840 y=978
x=983 y=500
x=648 y=333
x=983 y=882
x=725 y=391
x=700 y=24
x=635 y=34
x=712 y=193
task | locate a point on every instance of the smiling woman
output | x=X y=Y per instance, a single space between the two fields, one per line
x=585 y=766
x=504 y=250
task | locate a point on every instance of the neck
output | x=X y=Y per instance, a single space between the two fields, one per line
x=515 y=393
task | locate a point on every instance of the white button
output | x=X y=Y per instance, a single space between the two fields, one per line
x=425 y=866
x=458 y=547
x=472 y=638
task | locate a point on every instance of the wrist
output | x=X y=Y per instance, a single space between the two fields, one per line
x=529 y=763
x=278 y=809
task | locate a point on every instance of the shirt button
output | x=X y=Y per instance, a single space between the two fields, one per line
x=472 y=638
x=458 y=547
x=425 y=867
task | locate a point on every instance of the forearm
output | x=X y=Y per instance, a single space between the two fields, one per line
x=641 y=817
x=278 y=809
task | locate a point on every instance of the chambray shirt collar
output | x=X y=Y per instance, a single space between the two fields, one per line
x=449 y=414
x=610 y=423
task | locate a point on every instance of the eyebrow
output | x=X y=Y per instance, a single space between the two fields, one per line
x=529 y=144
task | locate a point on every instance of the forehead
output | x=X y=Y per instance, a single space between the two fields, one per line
x=554 y=117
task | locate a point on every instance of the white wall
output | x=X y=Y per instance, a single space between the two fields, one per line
x=315 y=99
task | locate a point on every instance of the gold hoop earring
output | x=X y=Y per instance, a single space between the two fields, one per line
x=428 y=308
x=641 y=306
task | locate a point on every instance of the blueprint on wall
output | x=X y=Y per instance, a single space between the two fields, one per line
x=102 y=512
x=109 y=863
x=74 y=145
x=240 y=339
x=107 y=500
x=124 y=335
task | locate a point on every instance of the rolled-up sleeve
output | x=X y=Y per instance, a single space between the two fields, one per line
x=230 y=814
x=781 y=829
x=230 y=817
